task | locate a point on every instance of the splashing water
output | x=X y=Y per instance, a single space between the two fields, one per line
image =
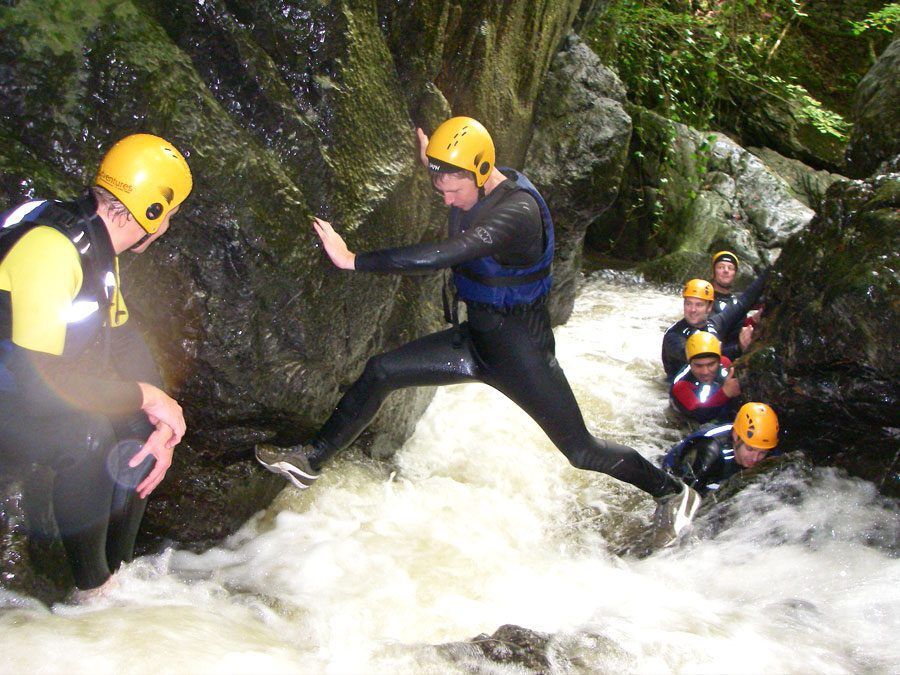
x=480 y=522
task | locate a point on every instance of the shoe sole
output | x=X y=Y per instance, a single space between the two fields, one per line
x=288 y=471
x=686 y=510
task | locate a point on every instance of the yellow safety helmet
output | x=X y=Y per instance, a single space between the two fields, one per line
x=724 y=256
x=757 y=425
x=462 y=143
x=702 y=343
x=148 y=175
x=699 y=288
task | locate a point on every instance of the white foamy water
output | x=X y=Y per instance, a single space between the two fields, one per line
x=480 y=522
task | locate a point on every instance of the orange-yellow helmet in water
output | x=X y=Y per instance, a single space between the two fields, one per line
x=699 y=288
x=757 y=425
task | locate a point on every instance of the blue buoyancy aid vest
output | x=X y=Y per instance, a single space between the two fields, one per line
x=89 y=319
x=489 y=282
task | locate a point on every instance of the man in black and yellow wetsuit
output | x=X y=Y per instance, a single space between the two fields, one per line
x=79 y=390
x=500 y=248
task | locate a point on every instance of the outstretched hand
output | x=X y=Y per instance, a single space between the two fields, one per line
x=423 y=145
x=334 y=245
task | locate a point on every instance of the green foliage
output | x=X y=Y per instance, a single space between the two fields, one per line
x=885 y=19
x=691 y=61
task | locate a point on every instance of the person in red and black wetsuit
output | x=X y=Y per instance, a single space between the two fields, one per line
x=705 y=390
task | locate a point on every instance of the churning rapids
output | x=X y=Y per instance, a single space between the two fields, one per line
x=480 y=522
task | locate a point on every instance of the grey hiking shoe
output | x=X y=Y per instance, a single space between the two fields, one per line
x=673 y=516
x=291 y=463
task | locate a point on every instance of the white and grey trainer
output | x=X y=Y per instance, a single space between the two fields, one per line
x=292 y=463
x=673 y=516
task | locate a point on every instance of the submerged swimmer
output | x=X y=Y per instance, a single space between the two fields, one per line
x=500 y=249
x=708 y=457
x=79 y=391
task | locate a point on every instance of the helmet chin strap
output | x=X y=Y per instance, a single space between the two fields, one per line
x=140 y=241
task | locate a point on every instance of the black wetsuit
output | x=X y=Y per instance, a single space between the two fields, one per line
x=705 y=459
x=723 y=301
x=79 y=412
x=511 y=349
x=720 y=325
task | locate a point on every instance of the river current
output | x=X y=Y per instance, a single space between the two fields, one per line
x=479 y=522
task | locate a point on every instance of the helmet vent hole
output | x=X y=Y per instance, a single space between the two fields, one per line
x=154 y=211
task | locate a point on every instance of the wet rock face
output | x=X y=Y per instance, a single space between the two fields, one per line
x=826 y=357
x=805 y=183
x=32 y=557
x=283 y=110
x=876 y=116
x=509 y=645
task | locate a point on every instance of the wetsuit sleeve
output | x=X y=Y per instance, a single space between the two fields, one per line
x=697 y=465
x=42 y=273
x=491 y=237
x=728 y=319
x=672 y=353
x=131 y=357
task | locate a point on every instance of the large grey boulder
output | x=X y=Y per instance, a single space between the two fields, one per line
x=806 y=184
x=688 y=193
x=577 y=155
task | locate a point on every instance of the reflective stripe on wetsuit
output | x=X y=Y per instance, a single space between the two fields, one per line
x=699 y=401
x=704 y=473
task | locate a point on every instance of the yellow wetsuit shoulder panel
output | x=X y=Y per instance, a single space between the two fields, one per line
x=42 y=273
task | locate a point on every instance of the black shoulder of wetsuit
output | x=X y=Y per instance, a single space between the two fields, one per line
x=673 y=349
